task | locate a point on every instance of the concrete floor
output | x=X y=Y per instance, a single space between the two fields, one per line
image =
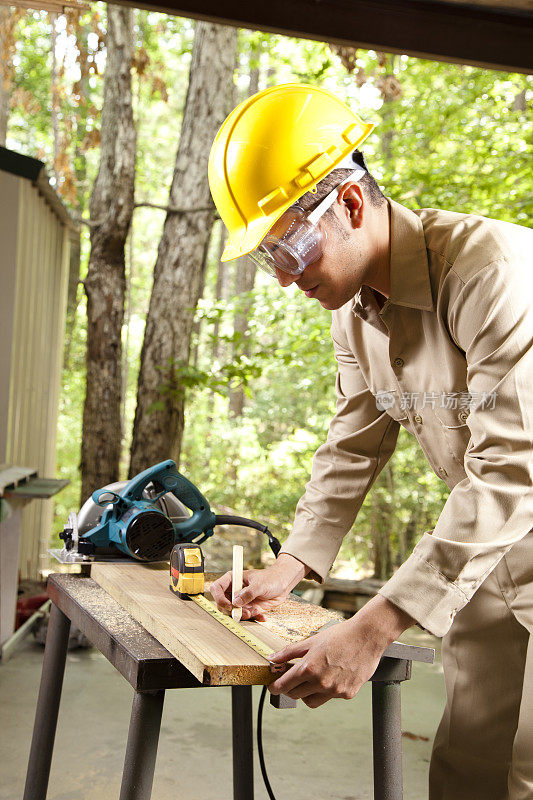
x=322 y=753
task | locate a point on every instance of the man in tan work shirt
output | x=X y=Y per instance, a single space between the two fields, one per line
x=432 y=325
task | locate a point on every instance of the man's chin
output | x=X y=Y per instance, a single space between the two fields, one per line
x=333 y=303
x=330 y=305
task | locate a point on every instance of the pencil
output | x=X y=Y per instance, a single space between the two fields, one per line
x=236 y=583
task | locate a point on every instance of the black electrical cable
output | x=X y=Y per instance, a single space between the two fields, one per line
x=228 y=519
x=260 y=744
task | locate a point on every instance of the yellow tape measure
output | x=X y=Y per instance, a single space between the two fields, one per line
x=229 y=623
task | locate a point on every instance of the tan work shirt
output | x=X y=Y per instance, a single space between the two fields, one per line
x=450 y=358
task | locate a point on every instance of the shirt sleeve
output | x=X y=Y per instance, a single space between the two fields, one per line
x=490 y=317
x=360 y=441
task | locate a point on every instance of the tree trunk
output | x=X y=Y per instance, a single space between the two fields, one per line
x=244 y=282
x=380 y=542
x=111 y=206
x=407 y=533
x=4 y=75
x=520 y=102
x=381 y=521
x=178 y=273
x=245 y=270
x=55 y=95
x=224 y=268
x=197 y=325
x=387 y=111
x=8 y=20
x=80 y=170
x=72 y=297
x=127 y=333
x=221 y=292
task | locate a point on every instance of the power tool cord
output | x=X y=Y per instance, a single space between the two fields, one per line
x=228 y=519
x=260 y=744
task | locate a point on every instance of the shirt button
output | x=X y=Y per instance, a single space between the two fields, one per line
x=418 y=419
x=463 y=416
x=398 y=362
x=442 y=472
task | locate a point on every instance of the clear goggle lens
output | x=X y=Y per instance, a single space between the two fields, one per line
x=292 y=244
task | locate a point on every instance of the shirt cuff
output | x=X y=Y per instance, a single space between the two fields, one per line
x=420 y=590
x=318 y=567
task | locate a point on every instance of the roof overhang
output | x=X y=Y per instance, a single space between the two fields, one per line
x=497 y=34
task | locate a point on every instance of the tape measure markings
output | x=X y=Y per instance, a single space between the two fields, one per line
x=248 y=638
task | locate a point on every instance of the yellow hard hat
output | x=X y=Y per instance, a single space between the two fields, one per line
x=272 y=149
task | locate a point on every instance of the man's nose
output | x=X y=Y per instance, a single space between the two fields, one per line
x=285 y=278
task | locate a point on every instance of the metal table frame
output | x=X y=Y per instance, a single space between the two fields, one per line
x=150 y=669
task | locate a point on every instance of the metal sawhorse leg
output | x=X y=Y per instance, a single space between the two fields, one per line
x=141 y=749
x=243 y=745
x=387 y=740
x=44 y=730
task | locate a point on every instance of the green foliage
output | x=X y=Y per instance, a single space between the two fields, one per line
x=459 y=140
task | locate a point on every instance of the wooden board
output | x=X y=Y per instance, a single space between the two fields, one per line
x=213 y=654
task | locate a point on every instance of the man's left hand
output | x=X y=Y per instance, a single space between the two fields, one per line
x=337 y=661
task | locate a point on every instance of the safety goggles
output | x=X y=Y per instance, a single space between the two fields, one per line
x=296 y=239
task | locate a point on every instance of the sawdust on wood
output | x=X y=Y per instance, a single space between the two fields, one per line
x=293 y=620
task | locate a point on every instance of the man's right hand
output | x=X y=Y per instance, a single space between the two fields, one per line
x=263 y=589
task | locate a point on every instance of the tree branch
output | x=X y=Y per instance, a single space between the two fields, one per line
x=174 y=209
x=169 y=209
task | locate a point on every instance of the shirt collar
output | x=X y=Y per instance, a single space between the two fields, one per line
x=409 y=269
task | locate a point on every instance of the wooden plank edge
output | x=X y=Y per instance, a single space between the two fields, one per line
x=249 y=675
x=189 y=660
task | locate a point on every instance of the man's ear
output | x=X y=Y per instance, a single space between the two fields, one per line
x=351 y=204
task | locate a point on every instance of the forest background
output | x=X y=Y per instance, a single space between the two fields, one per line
x=243 y=394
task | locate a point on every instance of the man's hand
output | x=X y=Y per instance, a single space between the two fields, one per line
x=263 y=589
x=337 y=661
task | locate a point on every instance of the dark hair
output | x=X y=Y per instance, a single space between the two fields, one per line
x=336 y=177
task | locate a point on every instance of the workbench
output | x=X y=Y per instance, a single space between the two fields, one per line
x=151 y=670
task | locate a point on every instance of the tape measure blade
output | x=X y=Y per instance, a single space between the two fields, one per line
x=234 y=627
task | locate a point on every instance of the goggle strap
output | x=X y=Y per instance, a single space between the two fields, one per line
x=330 y=198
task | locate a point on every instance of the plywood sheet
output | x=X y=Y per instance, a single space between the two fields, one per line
x=212 y=653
